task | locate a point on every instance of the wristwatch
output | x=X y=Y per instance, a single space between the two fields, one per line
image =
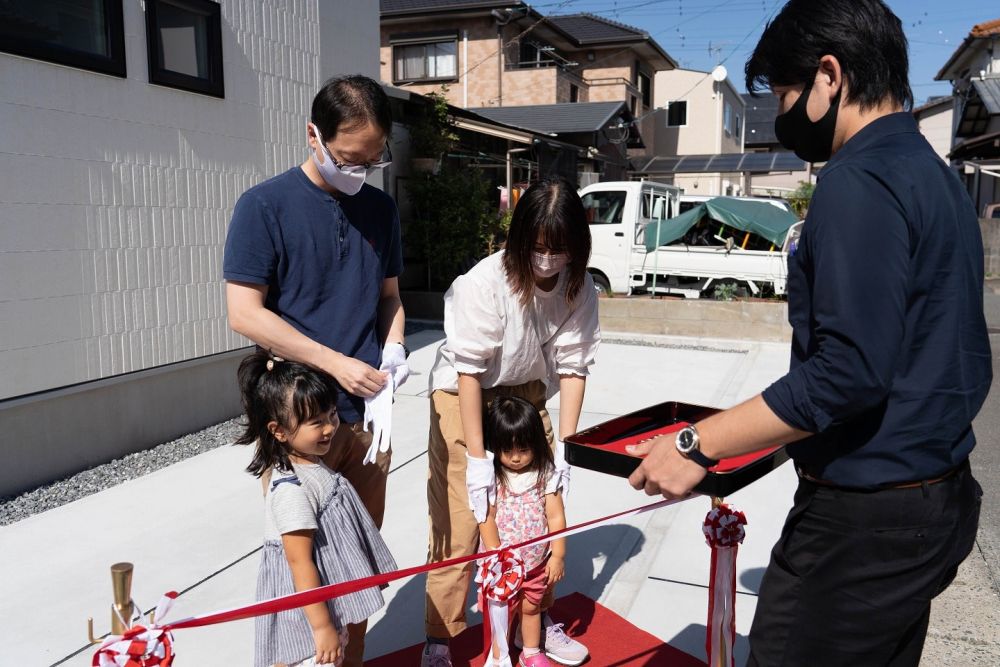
x=689 y=445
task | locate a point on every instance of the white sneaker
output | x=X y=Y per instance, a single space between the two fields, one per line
x=435 y=655
x=560 y=647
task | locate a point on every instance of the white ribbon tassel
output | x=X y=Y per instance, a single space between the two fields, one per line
x=722 y=628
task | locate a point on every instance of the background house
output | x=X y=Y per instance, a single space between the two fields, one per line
x=492 y=54
x=127 y=132
x=935 y=118
x=974 y=71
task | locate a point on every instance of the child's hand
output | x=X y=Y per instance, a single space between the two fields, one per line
x=555 y=569
x=328 y=649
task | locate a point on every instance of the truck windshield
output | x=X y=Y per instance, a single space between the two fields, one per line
x=604 y=208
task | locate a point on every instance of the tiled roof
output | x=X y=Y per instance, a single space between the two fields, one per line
x=989 y=92
x=407 y=6
x=985 y=29
x=587 y=28
x=555 y=118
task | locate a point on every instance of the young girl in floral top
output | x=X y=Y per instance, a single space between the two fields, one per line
x=527 y=505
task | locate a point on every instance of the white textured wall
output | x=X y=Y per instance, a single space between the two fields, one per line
x=115 y=194
x=936 y=127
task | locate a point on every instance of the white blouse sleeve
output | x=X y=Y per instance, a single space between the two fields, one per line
x=478 y=325
x=552 y=481
x=575 y=344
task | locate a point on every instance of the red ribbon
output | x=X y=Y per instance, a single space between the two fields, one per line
x=723 y=528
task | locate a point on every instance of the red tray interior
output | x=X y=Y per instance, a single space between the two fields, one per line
x=618 y=446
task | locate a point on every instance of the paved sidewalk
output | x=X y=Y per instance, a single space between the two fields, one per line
x=194 y=527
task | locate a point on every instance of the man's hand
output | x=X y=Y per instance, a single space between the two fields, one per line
x=357 y=377
x=664 y=471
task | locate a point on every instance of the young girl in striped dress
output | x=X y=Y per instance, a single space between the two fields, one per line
x=316 y=531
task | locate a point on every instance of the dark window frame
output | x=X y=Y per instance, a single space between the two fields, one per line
x=574 y=93
x=426 y=79
x=671 y=113
x=214 y=84
x=113 y=64
x=644 y=83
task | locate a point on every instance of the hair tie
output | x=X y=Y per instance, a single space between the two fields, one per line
x=272 y=361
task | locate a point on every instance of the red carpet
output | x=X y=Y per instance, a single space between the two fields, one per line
x=613 y=641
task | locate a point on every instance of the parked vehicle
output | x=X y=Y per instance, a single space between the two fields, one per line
x=642 y=243
x=688 y=202
x=992 y=211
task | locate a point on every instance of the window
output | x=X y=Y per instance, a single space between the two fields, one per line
x=677 y=114
x=604 y=208
x=425 y=62
x=184 y=44
x=89 y=34
x=727 y=122
x=643 y=84
x=574 y=93
x=737 y=127
x=633 y=105
x=535 y=54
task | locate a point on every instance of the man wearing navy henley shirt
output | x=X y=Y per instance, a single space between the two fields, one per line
x=890 y=356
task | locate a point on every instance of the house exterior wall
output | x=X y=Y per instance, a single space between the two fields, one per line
x=936 y=126
x=704 y=133
x=116 y=195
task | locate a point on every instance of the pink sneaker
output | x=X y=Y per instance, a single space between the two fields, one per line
x=537 y=660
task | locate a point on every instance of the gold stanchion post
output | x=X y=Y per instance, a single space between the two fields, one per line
x=122 y=608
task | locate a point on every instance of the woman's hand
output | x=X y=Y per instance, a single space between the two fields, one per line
x=328 y=648
x=481 y=483
x=555 y=570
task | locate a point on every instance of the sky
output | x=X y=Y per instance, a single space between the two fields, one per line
x=700 y=34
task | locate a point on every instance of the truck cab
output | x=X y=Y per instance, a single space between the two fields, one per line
x=618 y=212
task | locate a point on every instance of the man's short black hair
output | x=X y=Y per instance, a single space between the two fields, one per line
x=863 y=35
x=350 y=102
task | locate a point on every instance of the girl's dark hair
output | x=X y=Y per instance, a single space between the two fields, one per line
x=551 y=208
x=863 y=35
x=514 y=423
x=350 y=102
x=290 y=394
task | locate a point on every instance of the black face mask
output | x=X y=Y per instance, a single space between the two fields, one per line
x=811 y=141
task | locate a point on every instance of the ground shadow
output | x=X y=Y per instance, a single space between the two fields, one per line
x=751 y=578
x=691 y=640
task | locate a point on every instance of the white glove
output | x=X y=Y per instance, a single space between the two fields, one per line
x=378 y=414
x=563 y=469
x=481 y=482
x=394 y=361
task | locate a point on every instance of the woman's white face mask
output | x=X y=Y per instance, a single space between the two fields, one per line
x=348 y=180
x=546 y=266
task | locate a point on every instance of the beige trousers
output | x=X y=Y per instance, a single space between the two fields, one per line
x=346 y=456
x=454 y=531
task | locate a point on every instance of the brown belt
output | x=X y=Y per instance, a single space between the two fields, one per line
x=902 y=485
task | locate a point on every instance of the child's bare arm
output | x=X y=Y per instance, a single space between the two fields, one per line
x=488 y=530
x=299 y=553
x=556 y=517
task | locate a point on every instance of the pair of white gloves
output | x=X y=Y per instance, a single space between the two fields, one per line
x=481 y=480
x=378 y=408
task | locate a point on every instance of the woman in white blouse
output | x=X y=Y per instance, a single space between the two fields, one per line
x=522 y=322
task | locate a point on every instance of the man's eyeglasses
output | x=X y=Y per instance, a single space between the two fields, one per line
x=384 y=161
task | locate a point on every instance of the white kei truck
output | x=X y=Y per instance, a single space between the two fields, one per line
x=642 y=243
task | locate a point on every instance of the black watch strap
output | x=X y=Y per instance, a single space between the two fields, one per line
x=702 y=460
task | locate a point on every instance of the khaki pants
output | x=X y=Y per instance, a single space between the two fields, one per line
x=454 y=531
x=347 y=451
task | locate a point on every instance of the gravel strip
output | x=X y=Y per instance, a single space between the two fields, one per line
x=132 y=466
x=107 y=475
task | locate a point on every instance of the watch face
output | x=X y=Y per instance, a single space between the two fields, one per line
x=685 y=440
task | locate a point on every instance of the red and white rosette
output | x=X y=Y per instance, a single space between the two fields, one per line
x=500 y=578
x=139 y=646
x=723 y=528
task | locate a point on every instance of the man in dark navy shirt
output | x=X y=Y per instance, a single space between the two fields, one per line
x=890 y=356
x=311 y=264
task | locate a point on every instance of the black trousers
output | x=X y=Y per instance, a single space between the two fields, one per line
x=852 y=577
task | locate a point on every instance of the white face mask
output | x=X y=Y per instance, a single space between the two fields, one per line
x=344 y=179
x=546 y=266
